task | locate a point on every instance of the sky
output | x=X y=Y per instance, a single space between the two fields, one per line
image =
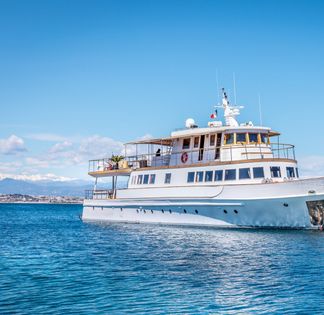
x=80 y=78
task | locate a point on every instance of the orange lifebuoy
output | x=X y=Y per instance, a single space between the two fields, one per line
x=184 y=157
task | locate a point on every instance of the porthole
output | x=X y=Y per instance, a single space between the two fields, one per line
x=225 y=211
x=137 y=210
x=92 y=208
x=151 y=211
x=196 y=211
x=144 y=211
x=170 y=210
x=162 y=211
x=121 y=209
x=184 y=210
x=285 y=204
x=235 y=211
x=101 y=208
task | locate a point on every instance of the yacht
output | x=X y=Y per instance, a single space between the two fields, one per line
x=226 y=174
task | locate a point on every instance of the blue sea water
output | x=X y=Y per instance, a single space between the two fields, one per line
x=52 y=263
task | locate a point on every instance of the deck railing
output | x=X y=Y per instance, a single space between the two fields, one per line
x=225 y=153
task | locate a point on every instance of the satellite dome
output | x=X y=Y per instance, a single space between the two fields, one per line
x=190 y=123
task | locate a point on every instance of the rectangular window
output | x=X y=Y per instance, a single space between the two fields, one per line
x=218 y=175
x=212 y=140
x=253 y=137
x=244 y=173
x=186 y=144
x=152 y=179
x=196 y=142
x=145 y=179
x=167 y=179
x=258 y=172
x=230 y=174
x=133 y=180
x=191 y=177
x=290 y=172
x=264 y=138
x=139 y=179
x=297 y=173
x=229 y=138
x=199 y=176
x=240 y=138
x=208 y=176
x=275 y=171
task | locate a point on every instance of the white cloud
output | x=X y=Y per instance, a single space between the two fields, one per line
x=37 y=177
x=60 y=147
x=45 y=137
x=311 y=165
x=12 y=145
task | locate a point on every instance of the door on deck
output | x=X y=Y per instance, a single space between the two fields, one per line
x=201 y=148
x=218 y=145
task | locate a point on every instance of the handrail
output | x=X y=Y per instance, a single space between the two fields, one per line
x=227 y=153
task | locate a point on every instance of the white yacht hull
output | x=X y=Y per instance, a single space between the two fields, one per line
x=295 y=204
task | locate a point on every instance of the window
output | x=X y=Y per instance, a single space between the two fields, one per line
x=199 y=176
x=264 y=138
x=209 y=176
x=229 y=138
x=290 y=172
x=230 y=174
x=191 y=177
x=139 y=179
x=196 y=142
x=186 y=144
x=152 y=179
x=134 y=180
x=218 y=175
x=145 y=179
x=244 y=173
x=275 y=171
x=212 y=140
x=297 y=173
x=167 y=179
x=258 y=172
x=253 y=137
x=241 y=138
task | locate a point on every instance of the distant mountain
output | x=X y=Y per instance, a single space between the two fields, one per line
x=51 y=188
x=48 y=188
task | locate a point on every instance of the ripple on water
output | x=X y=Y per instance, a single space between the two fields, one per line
x=51 y=262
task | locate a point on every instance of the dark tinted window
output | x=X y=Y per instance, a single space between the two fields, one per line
x=297 y=173
x=275 y=171
x=167 y=179
x=199 y=176
x=191 y=177
x=212 y=140
x=139 y=179
x=209 y=176
x=218 y=175
x=258 y=172
x=290 y=172
x=244 y=173
x=253 y=137
x=186 y=143
x=230 y=174
x=229 y=138
x=196 y=142
x=152 y=178
x=240 y=138
x=146 y=178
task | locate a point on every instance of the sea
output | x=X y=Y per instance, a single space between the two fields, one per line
x=53 y=263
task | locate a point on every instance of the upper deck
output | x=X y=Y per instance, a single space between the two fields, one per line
x=193 y=146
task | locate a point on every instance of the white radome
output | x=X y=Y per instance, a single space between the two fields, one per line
x=190 y=123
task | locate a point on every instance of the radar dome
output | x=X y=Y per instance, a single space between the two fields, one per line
x=190 y=123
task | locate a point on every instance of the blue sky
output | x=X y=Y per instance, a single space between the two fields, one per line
x=79 y=78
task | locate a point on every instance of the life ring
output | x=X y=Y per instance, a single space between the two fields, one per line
x=184 y=157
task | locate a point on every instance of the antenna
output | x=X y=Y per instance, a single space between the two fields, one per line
x=260 y=112
x=234 y=84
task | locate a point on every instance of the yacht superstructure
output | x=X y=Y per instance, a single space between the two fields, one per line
x=233 y=175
